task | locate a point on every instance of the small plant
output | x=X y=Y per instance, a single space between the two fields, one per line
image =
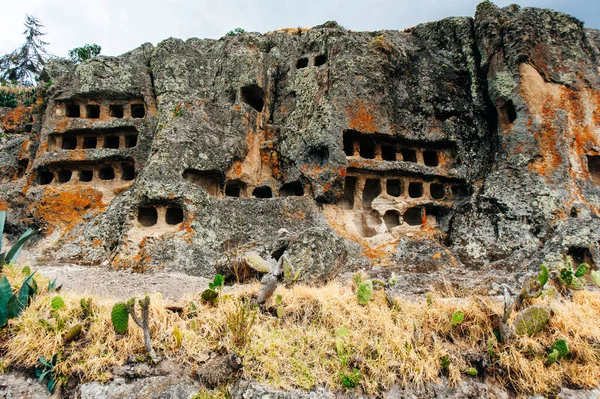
x=279 y=303
x=11 y=304
x=178 y=111
x=57 y=303
x=120 y=318
x=445 y=362
x=364 y=292
x=86 y=307
x=457 y=318
x=235 y=32
x=350 y=380
x=239 y=324
x=212 y=292
x=47 y=370
x=558 y=350
x=8 y=258
x=8 y=99
x=573 y=278
x=341 y=344
x=177 y=336
x=472 y=371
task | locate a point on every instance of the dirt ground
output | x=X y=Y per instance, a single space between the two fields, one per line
x=104 y=282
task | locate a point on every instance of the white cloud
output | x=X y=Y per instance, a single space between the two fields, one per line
x=121 y=25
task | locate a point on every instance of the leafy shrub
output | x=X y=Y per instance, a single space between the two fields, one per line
x=8 y=99
x=235 y=32
x=80 y=54
x=120 y=317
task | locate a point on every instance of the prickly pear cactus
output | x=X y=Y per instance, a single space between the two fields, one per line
x=120 y=317
x=57 y=303
x=532 y=320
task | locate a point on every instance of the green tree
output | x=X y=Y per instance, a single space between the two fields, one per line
x=23 y=66
x=235 y=32
x=80 y=54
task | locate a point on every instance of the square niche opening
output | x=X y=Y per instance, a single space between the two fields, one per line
x=93 y=111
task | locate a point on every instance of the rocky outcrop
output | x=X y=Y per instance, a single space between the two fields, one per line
x=464 y=143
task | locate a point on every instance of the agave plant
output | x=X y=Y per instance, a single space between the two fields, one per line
x=8 y=258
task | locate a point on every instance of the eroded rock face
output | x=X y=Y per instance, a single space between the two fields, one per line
x=468 y=142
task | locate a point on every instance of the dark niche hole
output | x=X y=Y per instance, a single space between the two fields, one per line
x=413 y=216
x=347 y=200
x=594 y=167
x=90 y=142
x=415 y=189
x=581 y=255
x=262 y=192
x=437 y=190
x=45 y=177
x=111 y=142
x=318 y=156
x=209 y=180
x=235 y=189
x=409 y=155
x=72 y=110
x=391 y=219
x=131 y=140
x=92 y=111
x=115 y=111
x=388 y=153
x=28 y=128
x=302 y=63
x=64 y=175
x=69 y=142
x=509 y=112
x=367 y=149
x=106 y=173
x=254 y=96
x=174 y=215
x=371 y=191
x=430 y=158
x=128 y=172
x=86 y=175
x=459 y=192
x=320 y=59
x=348 y=145
x=138 y=110
x=394 y=187
x=147 y=216
x=294 y=188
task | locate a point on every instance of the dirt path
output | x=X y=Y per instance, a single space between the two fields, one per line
x=122 y=284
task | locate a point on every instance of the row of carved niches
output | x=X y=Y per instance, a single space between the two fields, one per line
x=88 y=139
x=384 y=148
x=362 y=190
x=12 y=173
x=101 y=109
x=371 y=223
x=104 y=173
x=215 y=185
x=157 y=216
x=307 y=61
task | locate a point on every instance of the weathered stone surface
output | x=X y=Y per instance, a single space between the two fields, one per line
x=463 y=143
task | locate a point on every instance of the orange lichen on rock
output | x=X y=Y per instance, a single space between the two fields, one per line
x=361 y=117
x=16 y=119
x=59 y=208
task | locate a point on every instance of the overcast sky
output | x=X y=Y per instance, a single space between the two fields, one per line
x=121 y=25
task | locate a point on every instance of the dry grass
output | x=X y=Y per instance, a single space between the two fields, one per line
x=387 y=346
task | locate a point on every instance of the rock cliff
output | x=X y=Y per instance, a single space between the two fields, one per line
x=465 y=143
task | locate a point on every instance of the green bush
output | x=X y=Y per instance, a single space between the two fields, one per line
x=235 y=32
x=8 y=100
x=352 y=379
x=120 y=317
